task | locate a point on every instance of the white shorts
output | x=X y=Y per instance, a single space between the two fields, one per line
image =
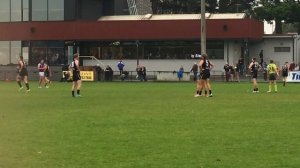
x=41 y=74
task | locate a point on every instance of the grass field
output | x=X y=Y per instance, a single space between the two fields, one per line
x=149 y=125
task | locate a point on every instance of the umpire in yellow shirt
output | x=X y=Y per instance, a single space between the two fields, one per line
x=272 y=72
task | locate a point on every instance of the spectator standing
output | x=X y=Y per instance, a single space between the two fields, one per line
x=285 y=72
x=99 y=72
x=195 y=71
x=108 y=73
x=139 y=73
x=261 y=56
x=180 y=73
x=121 y=66
x=264 y=71
x=237 y=72
x=227 y=72
x=241 y=65
x=232 y=72
x=292 y=66
x=144 y=73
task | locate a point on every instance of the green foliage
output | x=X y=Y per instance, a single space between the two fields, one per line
x=235 y=6
x=193 y=6
x=149 y=125
x=288 y=11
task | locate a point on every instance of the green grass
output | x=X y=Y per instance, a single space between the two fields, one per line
x=149 y=125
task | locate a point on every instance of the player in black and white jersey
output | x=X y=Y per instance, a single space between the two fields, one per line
x=47 y=75
x=74 y=67
x=254 y=67
x=205 y=66
x=22 y=74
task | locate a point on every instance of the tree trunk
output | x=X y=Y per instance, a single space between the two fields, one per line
x=278 y=26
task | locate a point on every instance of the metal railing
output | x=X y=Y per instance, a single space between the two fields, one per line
x=56 y=75
x=132 y=7
x=94 y=59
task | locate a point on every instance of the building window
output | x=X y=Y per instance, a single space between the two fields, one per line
x=39 y=10
x=56 y=10
x=15 y=51
x=9 y=52
x=4 y=53
x=44 y=10
x=215 y=49
x=25 y=10
x=51 y=51
x=282 y=49
x=155 y=50
x=16 y=11
x=5 y=11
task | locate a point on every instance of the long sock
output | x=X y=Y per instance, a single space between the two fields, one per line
x=78 y=92
x=275 y=86
x=19 y=83
x=205 y=92
x=27 y=86
x=210 y=92
x=200 y=92
x=270 y=88
x=73 y=93
x=197 y=92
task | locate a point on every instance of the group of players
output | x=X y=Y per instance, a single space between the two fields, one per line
x=44 y=74
x=202 y=83
x=272 y=71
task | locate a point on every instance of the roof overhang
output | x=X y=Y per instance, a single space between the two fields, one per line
x=152 y=29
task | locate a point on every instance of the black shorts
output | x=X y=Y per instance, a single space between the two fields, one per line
x=205 y=74
x=285 y=74
x=272 y=77
x=47 y=74
x=76 y=76
x=23 y=72
x=254 y=75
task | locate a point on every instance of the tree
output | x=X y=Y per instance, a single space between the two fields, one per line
x=212 y=6
x=235 y=6
x=278 y=11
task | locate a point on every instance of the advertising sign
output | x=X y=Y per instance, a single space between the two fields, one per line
x=294 y=76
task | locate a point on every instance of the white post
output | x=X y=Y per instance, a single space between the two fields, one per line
x=203 y=28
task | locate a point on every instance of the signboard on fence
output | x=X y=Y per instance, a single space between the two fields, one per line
x=85 y=75
x=294 y=76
